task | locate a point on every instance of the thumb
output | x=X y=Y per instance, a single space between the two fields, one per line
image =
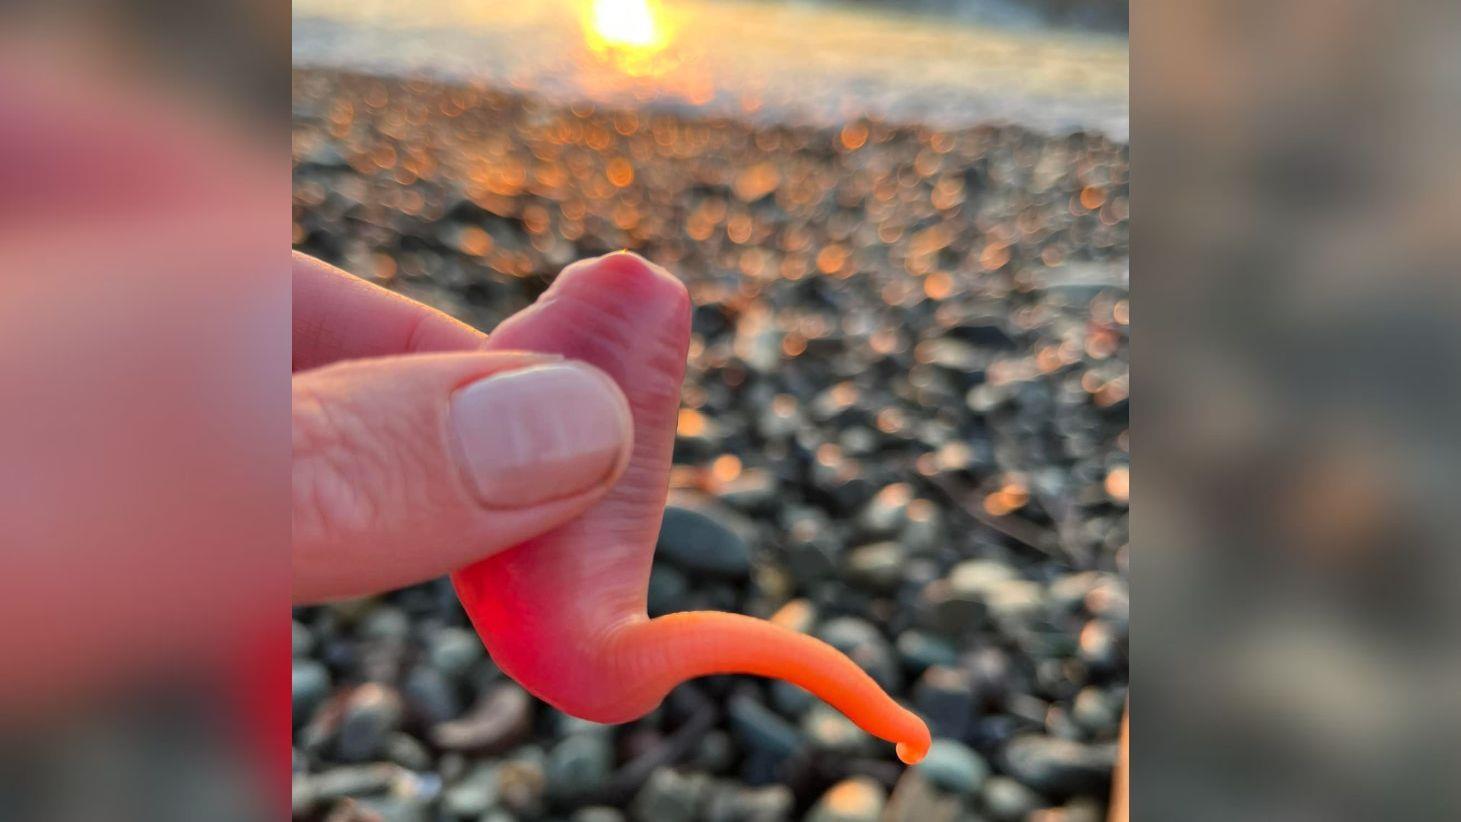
x=410 y=466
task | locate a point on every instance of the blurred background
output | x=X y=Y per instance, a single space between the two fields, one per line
x=904 y=426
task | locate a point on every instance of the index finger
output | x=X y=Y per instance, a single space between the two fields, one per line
x=338 y=316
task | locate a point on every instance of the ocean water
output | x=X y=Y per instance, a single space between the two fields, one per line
x=785 y=62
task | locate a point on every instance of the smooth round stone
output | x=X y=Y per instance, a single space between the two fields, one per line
x=761 y=729
x=669 y=796
x=945 y=699
x=309 y=684
x=408 y=752
x=474 y=794
x=920 y=650
x=597 y=813
x=667 y=589
x=952 y=766
x=579 y=765
x=878 y=566
x=372 y=713
x=1059 y=767
x=430 y=695
x=715 y=753
x=522 y=781
x=302 y=641
x=859 y=799
x=454 y=651
x=831 y=732
x=1097 y=711
x=1100 y=648
x=385 y=623
x=696 y=540
x=1007 y=800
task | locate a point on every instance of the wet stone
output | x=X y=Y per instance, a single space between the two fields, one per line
x=952 y=766
x=1059 y=767
x=1007 y=800
x=760 y=729
x=919 y=650
x=501 y=718
x=455 y=651
x=858 y=799
x=372 y=713
x=579 y=766
x=474 y=794
x=430 y=696
x=698 y=539
x=668 y=588
x=831 y=732
x=309 y=684
x=945 y=699
x=1098 y=711
x=878 y=566
x=669 y=796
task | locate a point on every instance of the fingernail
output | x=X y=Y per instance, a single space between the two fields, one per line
x=540 y=433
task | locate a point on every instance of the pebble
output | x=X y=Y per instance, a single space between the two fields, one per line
x=1007 y=800
x=771 y=803
x=474 y=794
x=831 y=732
x=944 y=697
x=372 y=713
x=1059 y=767
x=597 y=813
x=579 y=766
x=858 y=799
x=761 y=729
x=919 y=650
x=667 y=589
x=878 y=566
x=915 y=799
x=865 y=644
x=669 y=796
x=431 y=697
x=455 y=651
x=309 y=684
x=501 y=718
x=954 y=767
x=1098 y=711
x=697 y=539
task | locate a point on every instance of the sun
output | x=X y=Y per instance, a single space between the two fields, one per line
x=630 y=32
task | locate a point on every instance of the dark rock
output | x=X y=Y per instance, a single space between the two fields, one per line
x=502 y=718
x=866 y=646
x=474 y=794
x=667 y=589
x=598 y=813
x=915 y=799
x=920 y=650
x=1098 y=711
x=952 y=766
x=309 y=684
x=760 y=729
x=1059 y=767
x=579 y=766
x=455 y=651
x=698 y=539
x=372 y=713
x=733 y=803
x=408 y=752
x=430 y=696
x=668 y=796
x=303 y=642
x=878 y=566
x=715 y=753
x=1008 y=800
x=945 y=699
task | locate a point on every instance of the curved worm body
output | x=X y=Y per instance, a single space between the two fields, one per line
x=565 y=614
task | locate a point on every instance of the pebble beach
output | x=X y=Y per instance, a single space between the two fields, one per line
x=904 y=430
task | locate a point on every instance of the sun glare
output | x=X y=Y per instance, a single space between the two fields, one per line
x=629 y=31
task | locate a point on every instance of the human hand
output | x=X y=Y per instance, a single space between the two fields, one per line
x=415 y=452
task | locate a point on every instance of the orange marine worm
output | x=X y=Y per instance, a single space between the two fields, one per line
x=564 y=614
